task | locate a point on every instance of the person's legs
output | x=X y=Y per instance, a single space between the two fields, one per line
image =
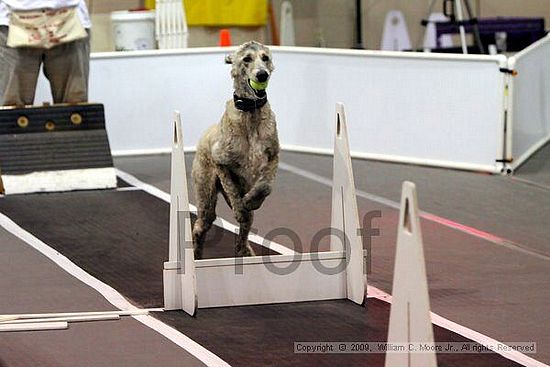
x=67 y=68
x=19 y=68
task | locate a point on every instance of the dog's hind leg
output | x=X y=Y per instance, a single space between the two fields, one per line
x=233 y=194
x=206 y=195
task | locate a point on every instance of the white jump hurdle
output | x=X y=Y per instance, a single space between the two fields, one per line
x=337 y=274
x=410 y=309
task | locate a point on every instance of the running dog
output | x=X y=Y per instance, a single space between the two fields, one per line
x=239 y=156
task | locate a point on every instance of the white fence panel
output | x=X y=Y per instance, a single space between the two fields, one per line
x=531 y=100
x=431 y=109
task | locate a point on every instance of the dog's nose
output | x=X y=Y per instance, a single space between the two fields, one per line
x=262 y=76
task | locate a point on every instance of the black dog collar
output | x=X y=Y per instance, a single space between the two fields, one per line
x=249 y=104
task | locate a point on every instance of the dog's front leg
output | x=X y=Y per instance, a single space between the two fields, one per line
x=242 y=247
x=233 y=194
x=262 y=188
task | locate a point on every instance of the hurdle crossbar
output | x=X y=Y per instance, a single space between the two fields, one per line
x=63 y=319
x=21 y=316
x=190 y=284
x=41 y=326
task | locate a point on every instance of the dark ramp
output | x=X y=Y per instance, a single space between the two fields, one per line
x=265 y=335
x=49 y=138
x=118 y=237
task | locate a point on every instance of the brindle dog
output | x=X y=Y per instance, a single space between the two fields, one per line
x=239 y=156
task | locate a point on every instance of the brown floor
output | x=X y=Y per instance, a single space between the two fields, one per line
x=498 y=291
x=265 y=335
x=494 y=290
x=118 y=238
x=30 y=283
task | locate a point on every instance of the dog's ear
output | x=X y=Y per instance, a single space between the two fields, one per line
x=229 y=59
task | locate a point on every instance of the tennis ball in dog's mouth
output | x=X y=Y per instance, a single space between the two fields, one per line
x=257 y=85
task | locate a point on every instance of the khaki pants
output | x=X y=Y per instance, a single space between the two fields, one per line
x=66 y=66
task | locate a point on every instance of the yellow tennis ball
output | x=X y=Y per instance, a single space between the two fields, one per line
x=258 y=85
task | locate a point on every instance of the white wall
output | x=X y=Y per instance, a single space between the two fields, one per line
x=430 y=109
x=141 y=90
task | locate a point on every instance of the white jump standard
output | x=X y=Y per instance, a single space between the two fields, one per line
x=337 y=274
x=410 y=309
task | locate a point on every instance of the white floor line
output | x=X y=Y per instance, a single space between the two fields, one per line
x=220 y=222
x=130 y=188
x=113 y=296
x=425 y=215
x=530 y=183
x=524 y=360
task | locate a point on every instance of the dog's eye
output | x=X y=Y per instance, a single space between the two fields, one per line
x=247 y=59
x=265 y=58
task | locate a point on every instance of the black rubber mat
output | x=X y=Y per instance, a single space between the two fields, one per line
x=118 y=237
x=121 y=238
x=265 y=335
x=122 y=183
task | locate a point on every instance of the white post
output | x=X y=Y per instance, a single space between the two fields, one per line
x=460 y=18
x=159 y=23
x=172 y=23
x=509 y=98
x=183 y=29
x=288 y=37
x=410 y=309
x=180 y=289
x=345 y=215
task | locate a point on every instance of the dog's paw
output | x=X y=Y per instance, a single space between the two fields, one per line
x=254 y=204
x=255 y=198
x=198 y=253
x=245 y=251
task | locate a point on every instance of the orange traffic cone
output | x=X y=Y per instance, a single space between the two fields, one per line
x=225 y=38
